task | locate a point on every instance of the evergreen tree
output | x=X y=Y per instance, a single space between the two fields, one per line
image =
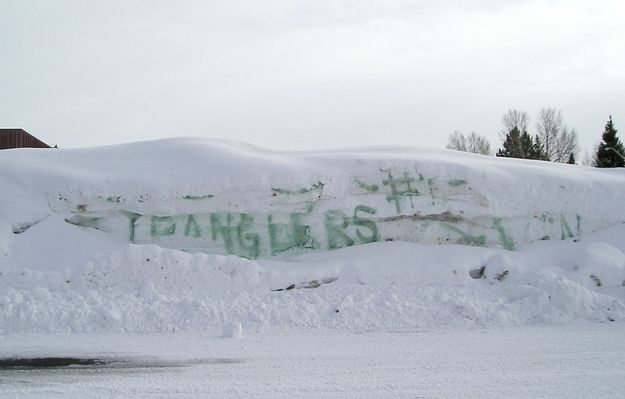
x=611 y=153
x=518 y=145
x=511 y=145
x=538 y=152
x=527 y=146
x=571 y=159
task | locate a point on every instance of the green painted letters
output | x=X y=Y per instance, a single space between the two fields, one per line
x=162 y=226
x=366 y=223
x=506 y=241
x=336 y=222
x=466 y=238
x=285 y=236
x=400 y=187
x=191 y=228
x=132 y=223
x=248 y=244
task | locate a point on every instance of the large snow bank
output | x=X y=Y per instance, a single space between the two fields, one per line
x=84 y=237
x=231 y=198
x=391 y=285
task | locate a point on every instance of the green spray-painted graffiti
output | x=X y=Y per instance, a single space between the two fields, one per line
x=318 y=187
x=240 y=234
x=191 y=228
x=277 y=231
x=336 y=223
x=132 y=223
x=466 y=238
x=197 y=197
x=456 y=182
x=370 y=188
x=162 y=226
x=287 y=236
x=236 y=234
x=400 y=187
x=505 y=239
x=252 y=236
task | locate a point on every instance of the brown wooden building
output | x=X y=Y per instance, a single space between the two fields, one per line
x=19 y=138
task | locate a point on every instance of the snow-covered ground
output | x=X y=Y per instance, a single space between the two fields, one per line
x=365 y=272
x=579 y=361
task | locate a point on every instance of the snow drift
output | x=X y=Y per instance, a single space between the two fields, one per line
x=133 y=238
x=230 y=198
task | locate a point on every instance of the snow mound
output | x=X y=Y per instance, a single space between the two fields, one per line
x=498 y=267
x=144 y=288
x=230 y=198
x=602 y=263
x=200 y=234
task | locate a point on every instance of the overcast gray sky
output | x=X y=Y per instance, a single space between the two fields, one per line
x=306 y=74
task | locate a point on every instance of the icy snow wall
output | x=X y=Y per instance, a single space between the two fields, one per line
x=231 y=198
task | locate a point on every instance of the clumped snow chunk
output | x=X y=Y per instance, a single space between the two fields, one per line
x=498 y=267
x=601 y=264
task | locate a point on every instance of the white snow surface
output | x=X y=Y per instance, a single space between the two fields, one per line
x=62 y=277
x=578 y=361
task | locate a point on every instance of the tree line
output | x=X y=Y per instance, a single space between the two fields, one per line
x=552 y=141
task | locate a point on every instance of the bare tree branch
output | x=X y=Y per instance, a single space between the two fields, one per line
x=472 y=143
x=565 y=144
x=457 y=142
x=549 y=125
x=515 y=118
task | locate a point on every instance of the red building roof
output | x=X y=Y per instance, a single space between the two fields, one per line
x=19 y=138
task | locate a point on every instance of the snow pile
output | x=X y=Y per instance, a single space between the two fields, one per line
x=230 y=198
x=395 y=285
x=92 y=239
x=603 y=263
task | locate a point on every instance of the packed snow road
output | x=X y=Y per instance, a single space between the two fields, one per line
x=580 y=361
